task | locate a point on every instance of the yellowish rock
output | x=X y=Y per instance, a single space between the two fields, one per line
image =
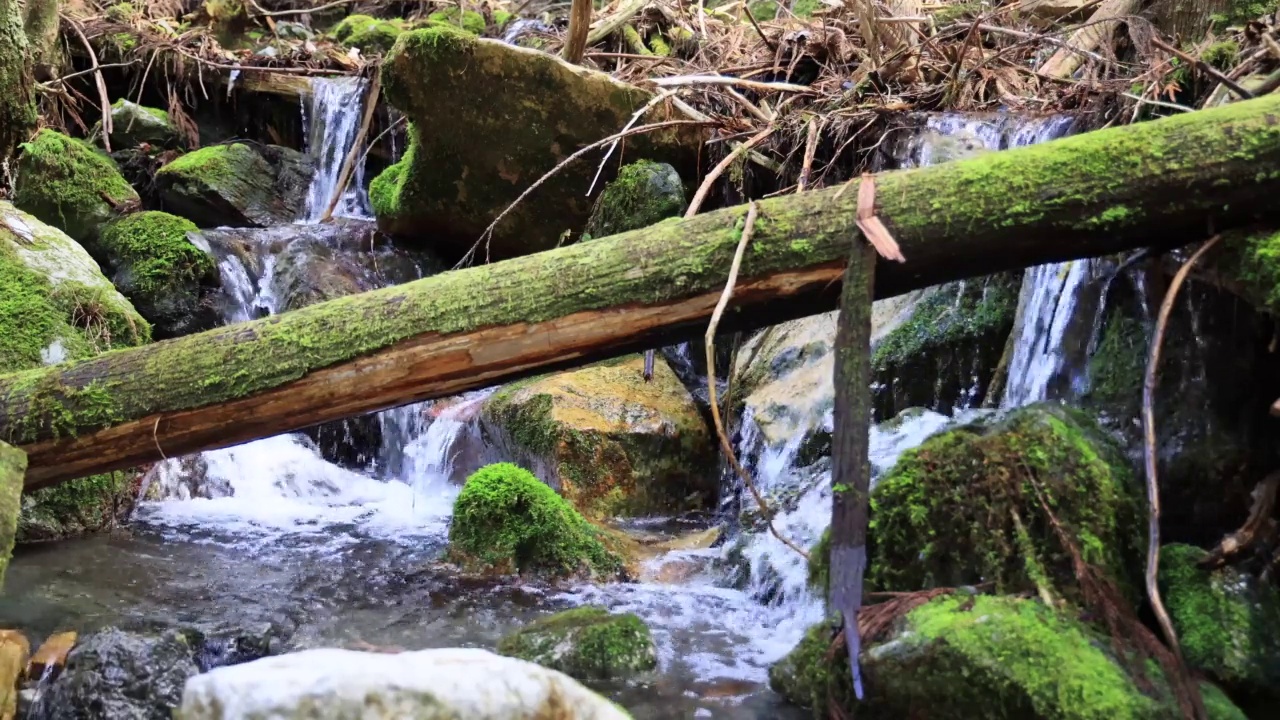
x=14 y=649
x=52 y=654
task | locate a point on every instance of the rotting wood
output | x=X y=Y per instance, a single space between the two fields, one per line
x=1160 y=182
x=1099 y=29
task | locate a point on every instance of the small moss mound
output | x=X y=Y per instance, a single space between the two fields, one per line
x=644 y=193
x=369 y=34
x=970 y=657
x=507 y=520
x=964 y=507
x=133 y=125
x=67 y=183
x=1257 y=266
x=1227 y=622
x=161 y=271
x=468 y=20
x=587 y=643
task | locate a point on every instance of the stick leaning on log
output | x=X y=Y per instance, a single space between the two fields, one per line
x=1159 y=182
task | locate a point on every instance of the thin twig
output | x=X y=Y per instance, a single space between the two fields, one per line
x=610 y=25
x=810 y=149
x=102 y=84
x=1159 y=103
x=488 y=231
x=1204 y=67
x=710 y=344
x=1149 y=451
x=348 y=165
x=68 y=76
x=634 y=118
x=719 y=169
x=773 y=47
x=722 y=80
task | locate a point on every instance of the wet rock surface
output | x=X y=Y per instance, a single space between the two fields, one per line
x=585 y=643
x=71 y=185
x=239 y=184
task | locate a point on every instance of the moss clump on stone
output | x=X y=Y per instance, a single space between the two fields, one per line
x=968 y=657
x=468 y=20
x=69 y=184
x=369 y=34
x=1227 y=622
x=133 y=124
x=73 y=508
x=507 y=520
x=1256 y=260
x=644 y=193
x=945 y=515
x=161 y=271
x=235 y=185
x=613 y=443
x=587 y=643
x=1222 y=55
x=951 y=343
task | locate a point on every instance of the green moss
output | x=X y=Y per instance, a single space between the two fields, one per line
x=951 y=343
x=1255 y=260
x=587 y=643
x=644 y=193
x=213 y=165
x=968 y=657
x=1222 y=54
x=507 y=520
x=805 y=8
x=1240 y=12
x=158 y=268
x=943 y=517
x=72 y=508
x=1116 y=369
x=1228 y=623
x=67 y=183
x=469 y=20
x=369 y=34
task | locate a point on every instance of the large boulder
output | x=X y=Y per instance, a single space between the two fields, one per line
x=71 y=185
x=167 y=277
x=612 y=443
x=57 y=306
x=237 y=184
x=586 y=643
x=488 y=120
x=117 y=675
x=961 y=657
x=1228 y=623
x=328 y=684
x=506 y=520
x=965 y=507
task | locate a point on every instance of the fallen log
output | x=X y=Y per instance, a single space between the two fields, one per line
x=1167 y=182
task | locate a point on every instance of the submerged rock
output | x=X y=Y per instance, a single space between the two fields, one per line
x=133 y=125
x=488 y=120
x=1228 y=623
x=508 y=521
x=330 y=684
x=946 y=352
x=968 y=657
x=239 y=185
x=162 y=272
x=612 y=443
x=964 y=507
x=71 y=185
x=586 y=643
x=116 y=675
x=644 y=193
x=57 y=306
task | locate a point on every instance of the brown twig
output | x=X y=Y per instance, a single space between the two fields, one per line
x=488 y=231
x=1259 y=526
x=773 y=47
x=718 y=170
x=810 y=149
x=101 y=83
x=722 y=80
x=348 y=165
x=1149 y=450
x=575 y=42
x=709 y=343
x=1203 y=67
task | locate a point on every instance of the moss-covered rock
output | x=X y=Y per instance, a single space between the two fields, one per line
x=969 y=657
x=467 y=20
x=644 y=193
x=611 y=442
x=506 y=520
x=236 y=185
x=488 y=120
x=371 y=35
x=1228 y=622
x=70 y=185
x=945 y=354
x=13 y=468
x=55 y=305
x=133 y=124
x=964 y=507
x=169 y=280
x=586 y=643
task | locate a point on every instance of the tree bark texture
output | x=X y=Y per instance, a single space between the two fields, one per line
x=1166 y=182
x=17 y=98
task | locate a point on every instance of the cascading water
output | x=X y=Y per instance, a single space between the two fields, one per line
x=1050 y=295
x=331 y=123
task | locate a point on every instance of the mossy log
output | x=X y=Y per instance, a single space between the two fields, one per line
x=1166 y=182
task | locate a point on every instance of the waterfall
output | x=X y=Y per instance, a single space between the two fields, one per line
x=1050 y=295
x=331 y=124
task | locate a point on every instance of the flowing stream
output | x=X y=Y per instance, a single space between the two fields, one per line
x=269 y=534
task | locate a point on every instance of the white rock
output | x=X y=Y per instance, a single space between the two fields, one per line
x=446 y=684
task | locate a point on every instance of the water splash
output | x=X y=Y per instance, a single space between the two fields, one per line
x=1050 y=295
x=331 y=124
